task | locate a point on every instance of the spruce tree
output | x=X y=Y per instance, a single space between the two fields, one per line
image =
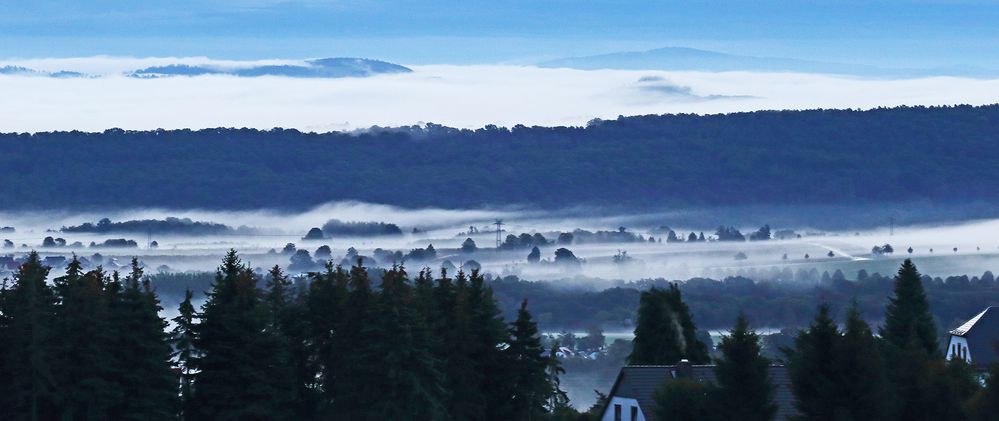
x=355 y=387
x=409 y=383
x=527 y=376
x=488 y=336
x=745 y=391
x=184 y=353
x=29 y=389
x=686 y=399
x=907 y=316
x=814 y=371
x=864 y=388
x=657 y=340
x=665 y=332
x=464 y=373
x=694 y=351
x=289 y=329
x=242 y=370
x=85 y=335
x=323 y=313
x=142 y=353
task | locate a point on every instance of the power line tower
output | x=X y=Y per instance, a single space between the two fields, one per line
x=499 y=228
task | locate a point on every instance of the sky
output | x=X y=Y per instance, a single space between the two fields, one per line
x=906 y=33
x=474 y=61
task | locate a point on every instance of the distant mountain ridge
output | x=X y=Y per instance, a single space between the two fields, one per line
x=693 y=59
x=339 y=67
x=24 y=71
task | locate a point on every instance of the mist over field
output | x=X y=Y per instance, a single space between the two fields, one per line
x=467 y=96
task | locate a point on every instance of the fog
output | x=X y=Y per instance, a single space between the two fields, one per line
x=460 y=96
x=261 y=235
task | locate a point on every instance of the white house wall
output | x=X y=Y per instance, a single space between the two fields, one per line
x=626 y=404
x=958 y=343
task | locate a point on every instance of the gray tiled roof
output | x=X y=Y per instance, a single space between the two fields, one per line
x=640 y=382
x=982 y=333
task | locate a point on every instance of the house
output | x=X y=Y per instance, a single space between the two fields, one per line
x=632 y=396
x=975 y=341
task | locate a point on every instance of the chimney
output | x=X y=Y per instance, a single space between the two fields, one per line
x=684 y=369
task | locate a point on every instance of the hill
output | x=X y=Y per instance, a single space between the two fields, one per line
x=935 y=154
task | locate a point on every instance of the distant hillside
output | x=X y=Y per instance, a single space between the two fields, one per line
x=944 y=155
x=692 y=59
x=319 y=68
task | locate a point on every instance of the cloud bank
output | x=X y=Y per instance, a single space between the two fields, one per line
x=460 y=96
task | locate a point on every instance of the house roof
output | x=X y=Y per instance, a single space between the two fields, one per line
x=640 y=382
x=982 y=334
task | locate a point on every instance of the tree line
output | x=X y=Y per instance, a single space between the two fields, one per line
x=92 y=346
x=837 y=371
x=760 y=158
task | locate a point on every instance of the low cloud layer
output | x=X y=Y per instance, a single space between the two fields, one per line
x=461 y=96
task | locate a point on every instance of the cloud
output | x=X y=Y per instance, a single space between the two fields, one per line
x=461 y=96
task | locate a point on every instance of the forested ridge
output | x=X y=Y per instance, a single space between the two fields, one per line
x=767 y=157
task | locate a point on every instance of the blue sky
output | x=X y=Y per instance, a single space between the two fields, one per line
x=909 y=33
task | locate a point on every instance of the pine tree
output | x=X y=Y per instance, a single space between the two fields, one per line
x=324 y=313
x=142 y=353
x=527 y=377
x=409 y=384
x=29 y=390
x=907 y=316
x=814 y=371
x=185 y=355
x=745 y=391
x=242 y=370
x=665 y=332
x=558 y=400
x=488 y=336
x=686 y=399
x=355 y=387
x=289 y=329
x=694 y=351
x=85 y=345
x=864 y=387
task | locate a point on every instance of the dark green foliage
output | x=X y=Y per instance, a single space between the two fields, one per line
x=665 y=331
x=864 y=384
x=686 y=399
x=526 y=376
x=28 y=386
x=759 y=157
x=142 y=353
x=838 y=375
x=814 y=370
x=407 y=381
x=184 y=353
x=243 y=370
x=745 y=391
x=87 y=340
x=907 y=317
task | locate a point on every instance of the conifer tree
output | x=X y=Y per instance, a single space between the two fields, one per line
x=558 y=400
x=526 y=373
x=488 y=336
x=464 y=374
x=355 y=387
x=864 y=387
x=142 y=353
x=184 y=353
x=85 y=375
x=907 y=316
x=686 y=399
x=814 y=371
x=408 y=382
x=324 y=312
x=289 y=329
x=242 y=370
x=665 y=332
x=29 y=390
x=745 y=391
